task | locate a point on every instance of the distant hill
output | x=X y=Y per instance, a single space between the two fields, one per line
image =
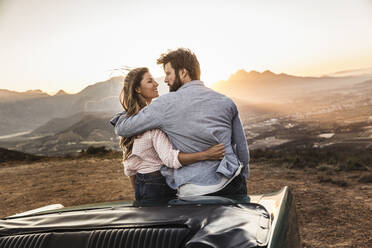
x=61 y=92
x=92 y=128
x=8 y=155
x=57 y=125
x=28 y=114
x=354 y=72
x=365 y=84
x=266 y=77
x=68 y=135
x=254 y=79
x=270 y=87
x=12 y=96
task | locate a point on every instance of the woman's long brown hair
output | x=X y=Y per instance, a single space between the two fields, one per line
x=131 y=103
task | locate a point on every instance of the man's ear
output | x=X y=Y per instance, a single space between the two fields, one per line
x=182 y=73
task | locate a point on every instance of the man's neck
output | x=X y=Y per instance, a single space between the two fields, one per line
x=186 y=80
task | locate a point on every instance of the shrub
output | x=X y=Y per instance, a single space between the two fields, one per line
x=91 y=150
x=365 y=178
x=352 y=164
x=340 y=183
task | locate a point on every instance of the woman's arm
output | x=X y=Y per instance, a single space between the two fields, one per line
x=174 y=159
x=216 y=152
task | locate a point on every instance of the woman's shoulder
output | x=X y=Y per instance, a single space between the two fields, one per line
x=155 y=134
x=146 y=139
x=150 y=133
x=142 y=142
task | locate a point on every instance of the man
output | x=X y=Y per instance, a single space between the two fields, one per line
x=195 y=118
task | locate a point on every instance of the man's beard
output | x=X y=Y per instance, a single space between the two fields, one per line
x=176 y=84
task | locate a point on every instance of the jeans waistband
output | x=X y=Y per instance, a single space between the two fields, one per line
x=145 y=176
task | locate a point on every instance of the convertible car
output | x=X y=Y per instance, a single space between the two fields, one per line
x=267 y=220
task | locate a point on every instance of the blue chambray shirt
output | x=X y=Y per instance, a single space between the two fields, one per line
x=195 y=118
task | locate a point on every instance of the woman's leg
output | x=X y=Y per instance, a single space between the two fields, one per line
x=139 y=186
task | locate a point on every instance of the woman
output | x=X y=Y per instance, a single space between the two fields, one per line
x=144 y=154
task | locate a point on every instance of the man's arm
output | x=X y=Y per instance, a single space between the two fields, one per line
x=148 y=118
x=238 y=138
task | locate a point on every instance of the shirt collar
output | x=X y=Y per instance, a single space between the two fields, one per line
x=191 y=83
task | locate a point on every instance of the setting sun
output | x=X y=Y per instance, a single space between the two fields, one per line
x=59 y=45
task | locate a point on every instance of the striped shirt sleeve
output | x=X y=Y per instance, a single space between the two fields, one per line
x=164 y=149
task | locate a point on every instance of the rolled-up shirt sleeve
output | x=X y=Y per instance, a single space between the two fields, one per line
x=128 y=172
x=131 y=165
x=164 y=149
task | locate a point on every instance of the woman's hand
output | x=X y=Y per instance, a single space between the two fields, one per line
x=216 y=152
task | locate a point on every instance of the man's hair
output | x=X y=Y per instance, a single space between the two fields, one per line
x=182 y=59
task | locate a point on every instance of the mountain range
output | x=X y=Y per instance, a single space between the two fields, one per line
x=67 y=135
x=37 y=123
x=13 y=96
x=31 y=110
x=270 y=87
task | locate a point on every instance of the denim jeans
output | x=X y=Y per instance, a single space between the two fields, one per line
x=237 y=186
x=152 y=186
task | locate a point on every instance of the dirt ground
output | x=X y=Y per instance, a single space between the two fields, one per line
x=333 y=208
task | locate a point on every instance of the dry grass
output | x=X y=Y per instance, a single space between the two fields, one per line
x=69 y=182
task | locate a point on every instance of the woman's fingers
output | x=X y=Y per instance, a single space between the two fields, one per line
x=221 y=148
x=219 y=151
x=216 y=152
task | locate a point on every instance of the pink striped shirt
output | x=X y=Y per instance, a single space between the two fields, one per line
x=151 y=150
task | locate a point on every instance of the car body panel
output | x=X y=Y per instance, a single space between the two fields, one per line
x=266 y=220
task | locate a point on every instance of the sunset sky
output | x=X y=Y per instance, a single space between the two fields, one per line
x=70 y=44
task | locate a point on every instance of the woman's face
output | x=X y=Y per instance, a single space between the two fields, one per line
x=148 y=88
